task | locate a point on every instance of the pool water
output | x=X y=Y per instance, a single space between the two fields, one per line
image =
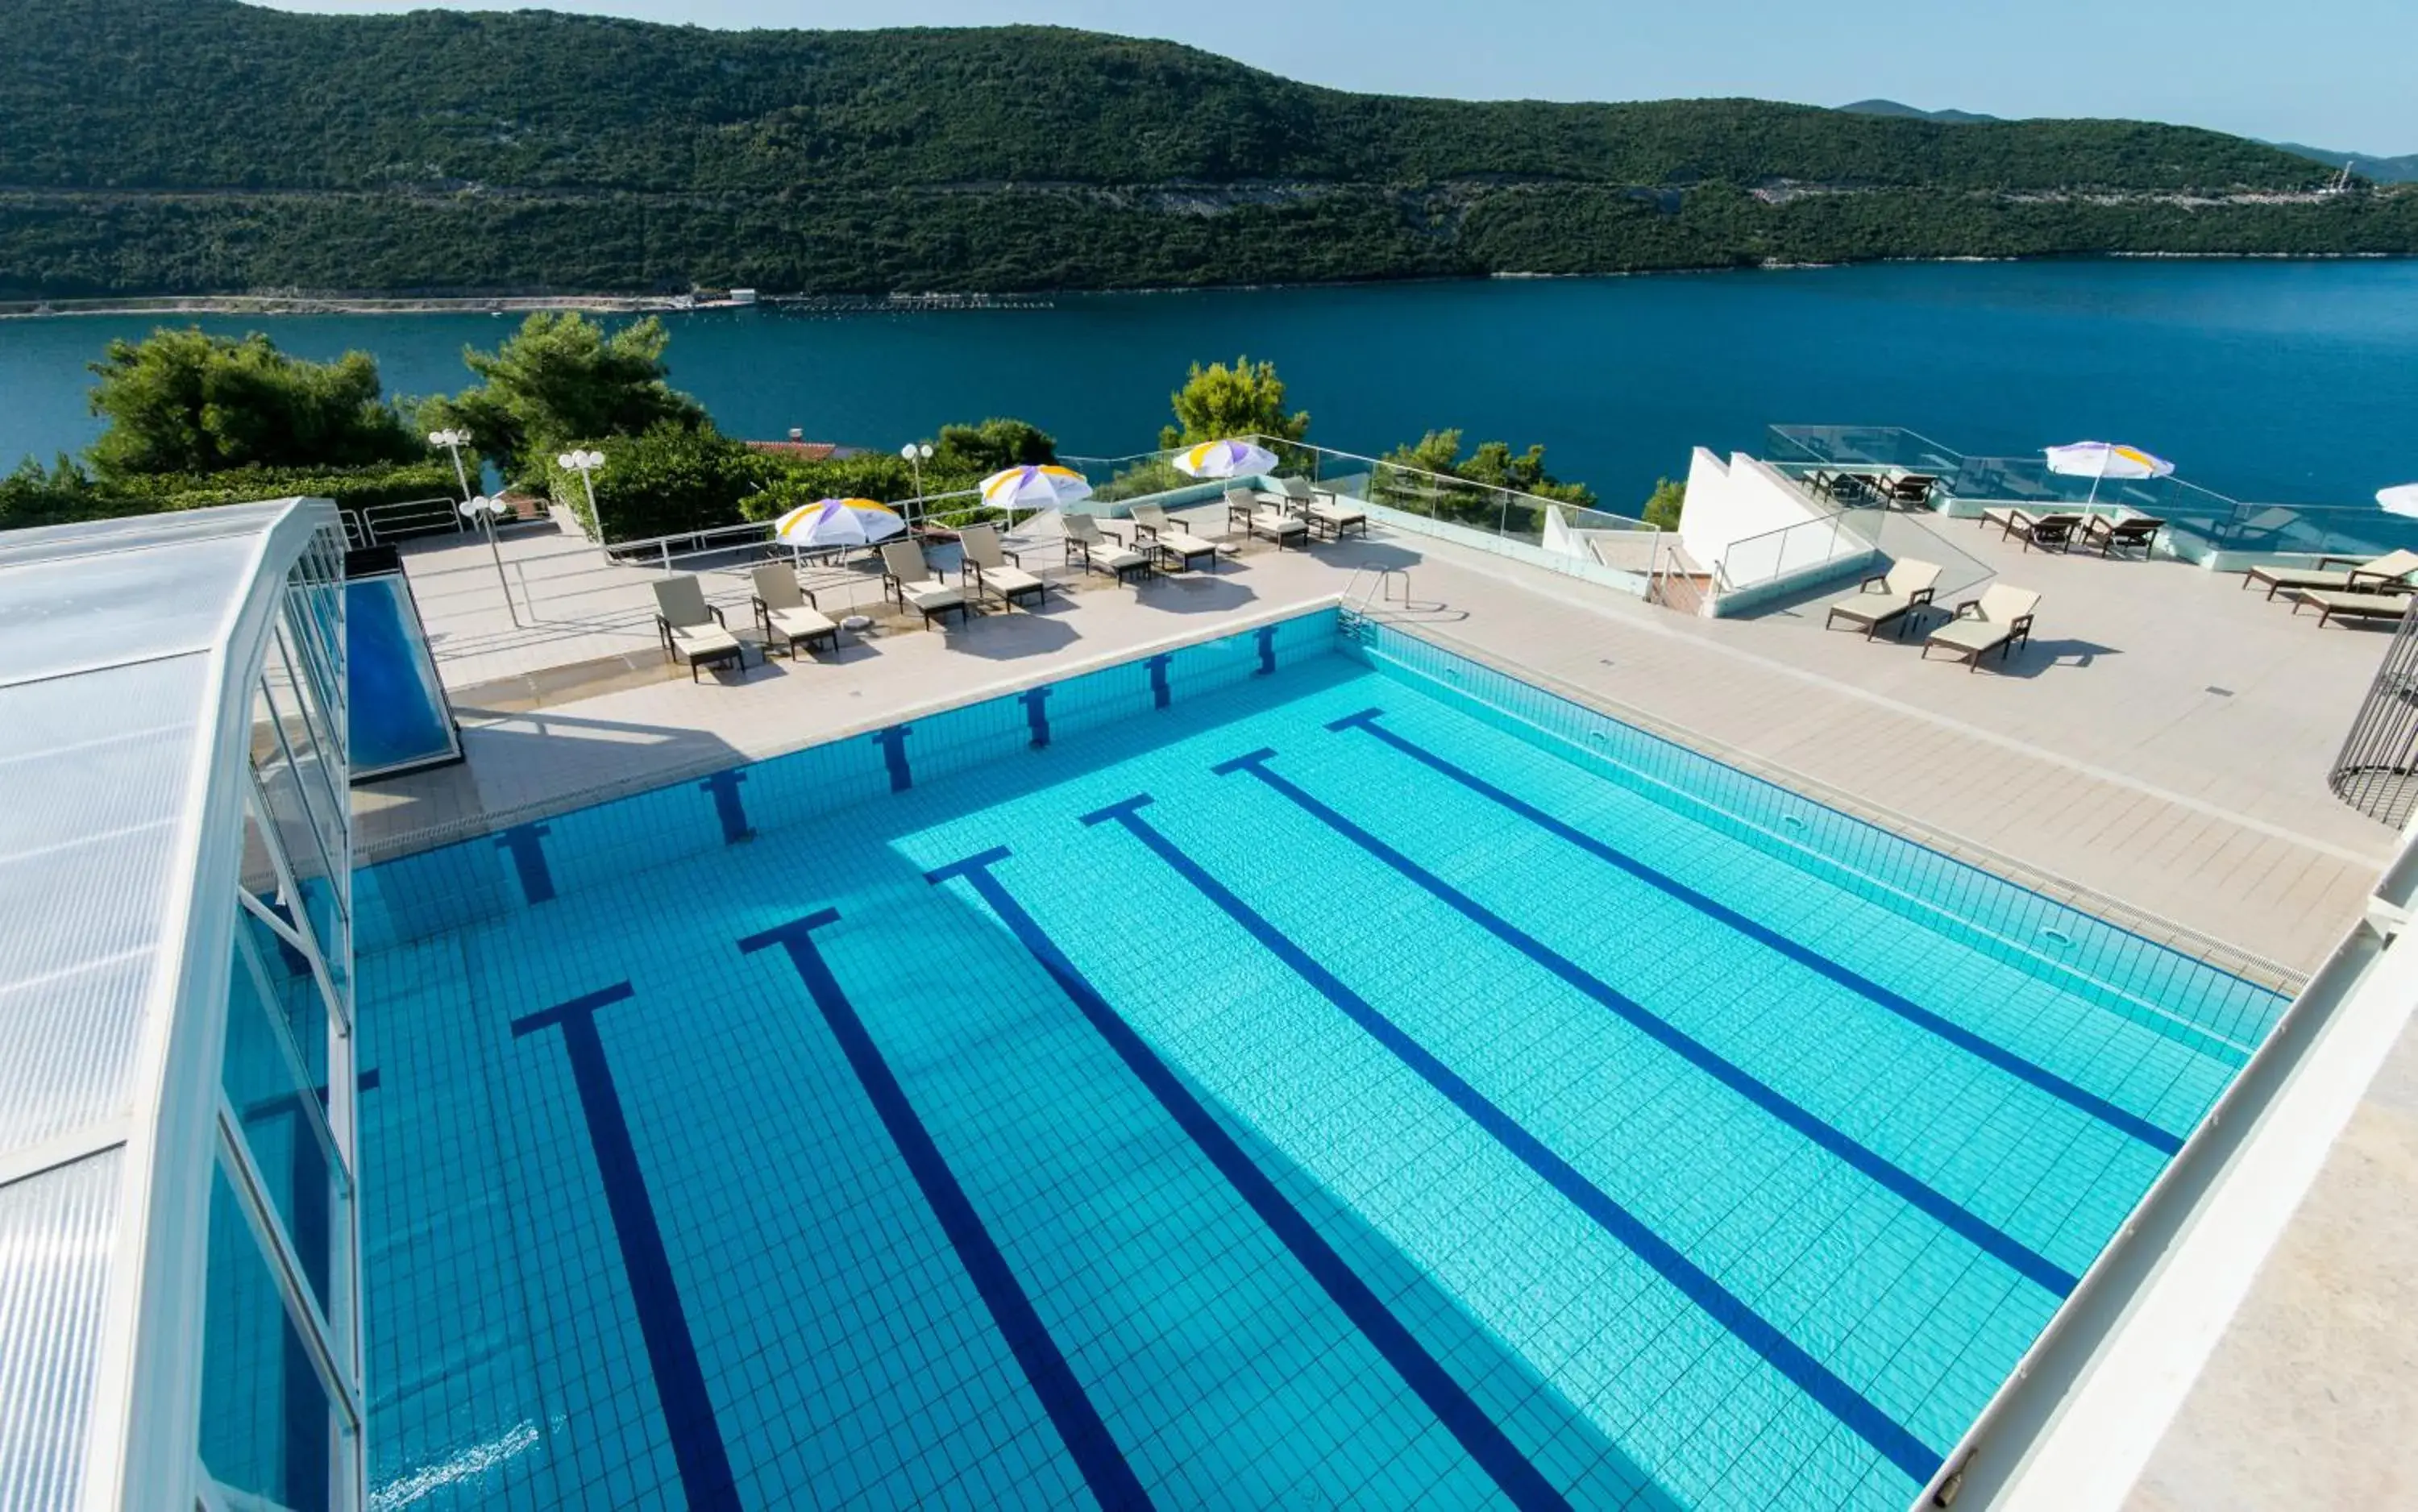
x=1334 y=1087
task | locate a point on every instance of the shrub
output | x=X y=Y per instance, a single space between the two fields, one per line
x=672 y=480
x=1663 y=504
x=34 y=495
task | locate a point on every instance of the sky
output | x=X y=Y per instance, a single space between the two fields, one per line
x=2328 y=73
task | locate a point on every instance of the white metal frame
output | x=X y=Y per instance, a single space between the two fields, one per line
x=142 y=1449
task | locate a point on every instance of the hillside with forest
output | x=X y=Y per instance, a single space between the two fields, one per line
x=197 y=146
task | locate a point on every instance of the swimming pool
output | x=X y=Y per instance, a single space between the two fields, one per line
x=1307 y=1068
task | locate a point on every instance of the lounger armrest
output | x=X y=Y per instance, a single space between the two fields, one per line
x=1015 y=559
x=2352 y=563
x=1143 y=531
x=811 y=601
x=1974 y=605
x=1920 y=596
x=2360 y=580
x=2021 y=625
x=664 y=631
x=763 y=614
x=715 y=610
x=1878 y=580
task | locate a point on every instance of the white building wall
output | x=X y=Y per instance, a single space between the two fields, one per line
x=1730 y=501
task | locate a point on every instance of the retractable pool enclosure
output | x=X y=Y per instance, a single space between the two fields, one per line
x=179 y=1310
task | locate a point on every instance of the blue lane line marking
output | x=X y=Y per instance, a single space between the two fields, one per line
x=1267 y=638
x=671 y=1352
x=1104 y=1466
x=1895 y=1002
x=1158 y=689
x=1036 y=714
x=1893 y=1439
x=2027 y=1262
x=529 y=859
x=724 y=785
x=893 y=741
x=1467 y=1423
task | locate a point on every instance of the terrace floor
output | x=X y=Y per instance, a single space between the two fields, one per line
x=2158 y=753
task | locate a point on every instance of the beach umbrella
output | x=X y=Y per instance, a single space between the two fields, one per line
x=1225 y=459
x=2102 y=460
x=837 y=522
x=2400 y=501
x=1036 y=488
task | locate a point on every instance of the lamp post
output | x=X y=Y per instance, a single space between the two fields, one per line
x=454 y=441
x=585 y=464
x=916 y=455
x=485 y=511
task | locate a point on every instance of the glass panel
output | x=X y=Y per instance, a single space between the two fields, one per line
x=267 y=1427
x=314 y=851
x=304 y=629
x=279 y=1105
x=317 y=758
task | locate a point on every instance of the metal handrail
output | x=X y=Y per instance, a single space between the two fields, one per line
x=1385 y=575
x=913 y=510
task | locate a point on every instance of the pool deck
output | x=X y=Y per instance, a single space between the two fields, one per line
x=2158 y=753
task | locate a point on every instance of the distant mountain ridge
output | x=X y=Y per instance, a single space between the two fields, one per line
x=1891 y=107
x=2402 y=170
x=2378 y=170
x=202 y=147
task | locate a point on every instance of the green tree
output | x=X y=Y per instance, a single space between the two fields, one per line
x=1493 y=465
x=562 y=378
x=183 y=401
x=1662 y=506
x=976 y=452
x=671 y=478
x=1217 y=401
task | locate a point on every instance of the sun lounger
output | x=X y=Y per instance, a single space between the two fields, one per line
x=1244 y=511
x=987 y=564
x=1895 y=594
x=2335 y=604
x=2116 y=536
x=1911 y=491
x=2045 y=528
x=2049 y=532
x=2393 y=572
x=693 y=631
x=1100 y=552
x=1324 y=511
x=1995 y=621
x=787 y=613
x=1170 y=540
x=905 y=574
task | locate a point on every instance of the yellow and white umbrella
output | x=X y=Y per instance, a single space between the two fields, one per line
x=2102 y=460
x=1225 y=459
x=1046 y=487
x=837 y=522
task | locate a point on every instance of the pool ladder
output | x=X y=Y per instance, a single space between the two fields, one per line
x=1356 y=596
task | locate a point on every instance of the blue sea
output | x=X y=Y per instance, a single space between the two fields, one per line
x=2271 y=381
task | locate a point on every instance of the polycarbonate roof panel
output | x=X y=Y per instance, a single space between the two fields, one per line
x=110 y=676
x=54 y=1252
x=86 y=872
x=61 y=617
